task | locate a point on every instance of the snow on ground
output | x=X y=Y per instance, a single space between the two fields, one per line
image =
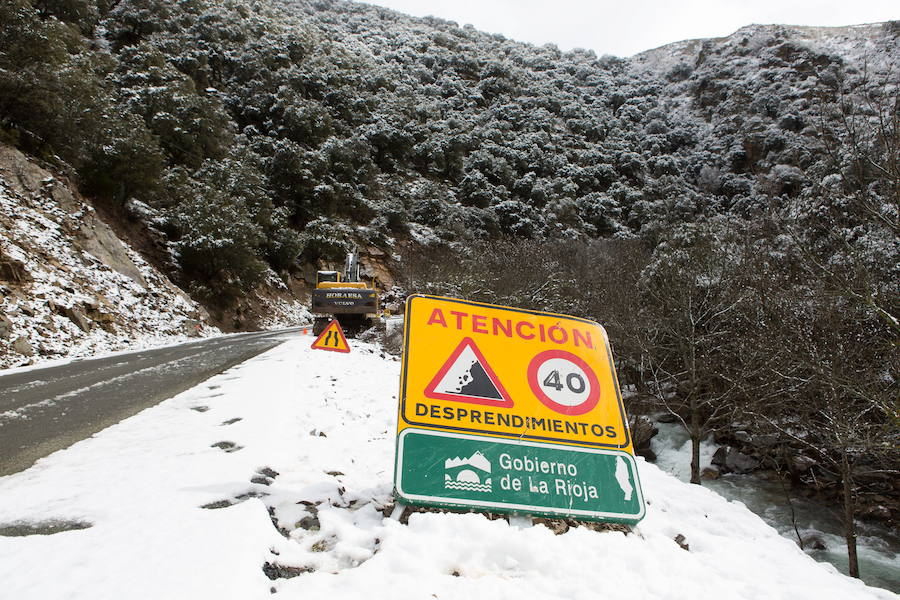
x=183 y=501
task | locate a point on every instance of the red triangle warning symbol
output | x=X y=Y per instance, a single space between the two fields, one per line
x=467 y=377
x=332 y=338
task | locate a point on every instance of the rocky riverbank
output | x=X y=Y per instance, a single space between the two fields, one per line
x=877 y=493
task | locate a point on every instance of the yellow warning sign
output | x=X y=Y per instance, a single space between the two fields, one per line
x=479 y=368
x=332 y=338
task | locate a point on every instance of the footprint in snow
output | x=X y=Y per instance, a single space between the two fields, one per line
x=235 y=500
x=226 y=446
x=265 y=476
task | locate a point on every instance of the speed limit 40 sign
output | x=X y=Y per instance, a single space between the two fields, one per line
x=495 y=370
x=564 y=382
x=524 y=404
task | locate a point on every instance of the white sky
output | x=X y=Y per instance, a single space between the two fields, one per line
x=625 y=27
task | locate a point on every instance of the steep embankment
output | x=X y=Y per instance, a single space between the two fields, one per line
x=68 y=286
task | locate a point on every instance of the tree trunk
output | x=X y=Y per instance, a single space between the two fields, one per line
x=787 y=495
x=849 y=511
x=695 y=443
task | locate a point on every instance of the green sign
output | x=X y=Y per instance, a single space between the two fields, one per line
x=454 y=470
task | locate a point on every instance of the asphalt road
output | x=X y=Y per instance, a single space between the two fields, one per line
x=44 y=410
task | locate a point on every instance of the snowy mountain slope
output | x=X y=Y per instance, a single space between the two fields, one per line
x=854 y=43
x=69 y=287
x=183 y=501
x=72 y=288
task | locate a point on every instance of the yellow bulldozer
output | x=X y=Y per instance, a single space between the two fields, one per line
x=343 y=296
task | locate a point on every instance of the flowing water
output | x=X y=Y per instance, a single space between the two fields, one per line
x=878 y=546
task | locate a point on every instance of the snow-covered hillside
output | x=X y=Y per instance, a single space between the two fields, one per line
x=69 y=286
x=855 y=43
x=275 y=477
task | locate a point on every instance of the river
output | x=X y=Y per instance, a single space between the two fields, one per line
x=878 y=546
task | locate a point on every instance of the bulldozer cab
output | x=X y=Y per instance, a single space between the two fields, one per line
x=327 y=277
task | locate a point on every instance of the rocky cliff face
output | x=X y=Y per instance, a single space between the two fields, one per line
x=68 y=286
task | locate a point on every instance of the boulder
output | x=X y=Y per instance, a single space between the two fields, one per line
x=192 y=327
x=718 y=458
x=378 y=271
x=13 y=271
x=642 y=431
x=77 y=317
x=711 y=472
x=97 y=239
x=6 y=327
x=800 y=463
x=738 y=462
x=93 y=309
x=23 y=347
x=813 y=542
